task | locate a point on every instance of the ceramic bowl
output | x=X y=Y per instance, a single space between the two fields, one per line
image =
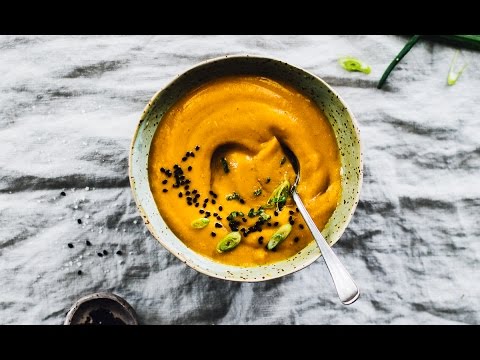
x=336 y=110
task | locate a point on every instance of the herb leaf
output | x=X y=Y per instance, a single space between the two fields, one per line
x=232 y=196
x=257 y=192
x=352 y=64
x=234 y=214
x=260 y=213
x=225 y=165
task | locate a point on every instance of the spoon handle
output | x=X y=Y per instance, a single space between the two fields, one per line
x=346 y=288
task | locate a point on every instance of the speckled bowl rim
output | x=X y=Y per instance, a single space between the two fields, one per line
x=181 y=256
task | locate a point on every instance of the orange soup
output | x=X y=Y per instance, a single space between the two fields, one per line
x=217 y=170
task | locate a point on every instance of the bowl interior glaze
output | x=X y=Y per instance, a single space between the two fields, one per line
x=342 y=121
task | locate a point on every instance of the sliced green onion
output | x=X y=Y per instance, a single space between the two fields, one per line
x=280 y=235
x=279 y=195
x=452 y=75
x=200 y=223
x=352 y=64
x=229 y=242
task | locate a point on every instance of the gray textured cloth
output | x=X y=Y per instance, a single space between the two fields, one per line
x=68 y=110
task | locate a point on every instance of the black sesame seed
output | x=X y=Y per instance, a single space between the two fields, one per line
x=291 y=212
x=63 y=193
x=180 y=194
x=197 y=204
x=296 y=209
x=244 y=219
x=192 y=154
x=176 y=166
x=207 y=213
x=187 y=154
x=260 y=240
x=88 y=243
x=275 y=223
x=164 y=181
x=184 y=158
x=213 y=234
x=242 y=201
x=164 y=190
x=186 y=187
x=119 y=252
x=220 y=208
x=187 y=193
x=296 y=239
x=213 y=201
x=79 y=272
x=291 y=222
x=215 y=214
x=206 y=200
x=218 y=225
x=197 y=148
x=189 y=168
x=201 y=211
x=189 y=203
x=269 y=224
x=194 y=191
x=105 y=252
x=100 y=254
x=219 y=218
x=70 y=245
x=79 y=221
x=162 y=170
x=197 y=196
x=204 y=206
x=189 y=198
x=275 y=213
x=301 y=226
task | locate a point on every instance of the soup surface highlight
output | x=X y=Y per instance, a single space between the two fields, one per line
x=216 y=155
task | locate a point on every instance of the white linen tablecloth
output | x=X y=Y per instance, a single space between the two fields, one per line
x=68 y=109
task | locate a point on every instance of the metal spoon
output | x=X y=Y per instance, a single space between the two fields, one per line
x=346 y=288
